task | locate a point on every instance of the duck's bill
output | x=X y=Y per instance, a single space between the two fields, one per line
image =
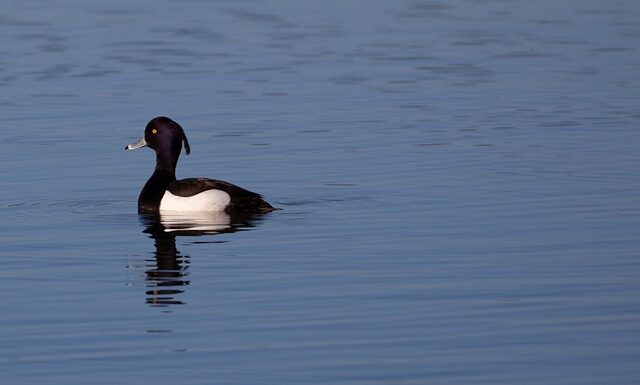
x=138 y=144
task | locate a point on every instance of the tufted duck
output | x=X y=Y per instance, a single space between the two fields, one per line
x=163 y=192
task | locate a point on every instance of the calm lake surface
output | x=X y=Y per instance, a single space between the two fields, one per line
x=459 y=184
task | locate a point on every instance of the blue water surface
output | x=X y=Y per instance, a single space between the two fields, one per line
x=458 y=183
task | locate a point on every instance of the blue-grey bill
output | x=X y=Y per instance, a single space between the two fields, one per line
x=134 y=146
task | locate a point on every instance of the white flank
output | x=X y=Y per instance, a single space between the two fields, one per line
x=210 y=200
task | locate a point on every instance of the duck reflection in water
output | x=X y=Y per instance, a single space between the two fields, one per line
x=166 y=274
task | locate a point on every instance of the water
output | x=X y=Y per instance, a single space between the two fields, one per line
x=458 y=183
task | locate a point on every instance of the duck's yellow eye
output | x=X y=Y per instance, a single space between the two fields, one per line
x=154 y=131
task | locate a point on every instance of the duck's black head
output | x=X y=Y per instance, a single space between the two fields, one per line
x=166 y=138
x=162 y=134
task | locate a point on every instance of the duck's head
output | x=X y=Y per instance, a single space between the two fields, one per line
x=166 y=138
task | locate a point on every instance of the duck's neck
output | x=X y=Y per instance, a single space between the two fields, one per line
x=154 y=189
x=163 y=175
x=166 y=161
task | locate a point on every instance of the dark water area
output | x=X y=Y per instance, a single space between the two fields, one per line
x=458 y=183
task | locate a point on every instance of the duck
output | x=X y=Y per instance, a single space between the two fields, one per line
x=164 y=193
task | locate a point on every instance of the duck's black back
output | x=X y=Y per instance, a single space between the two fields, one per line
x=241 y=199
